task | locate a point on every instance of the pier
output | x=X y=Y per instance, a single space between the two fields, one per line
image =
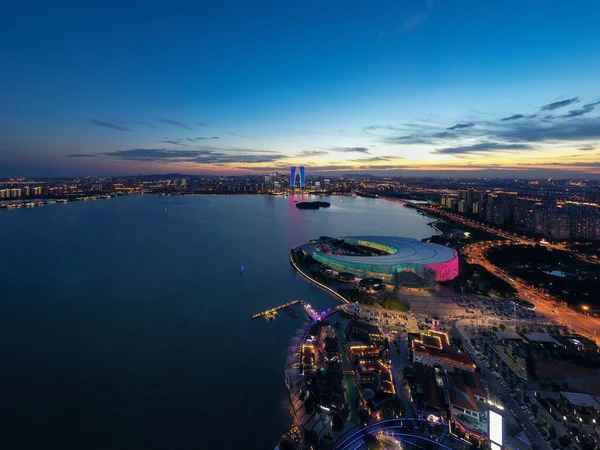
x=315 y=316
x=271 y=313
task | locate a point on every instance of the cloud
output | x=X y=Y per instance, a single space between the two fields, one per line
x=174 y=142
x=414 y=21
x=587 y=148
x=114 y=126
x=377 y=158
x=201 y=156
x=576 y=129
x=372 y=130
x=460 y=126
x=483 y=147
x=233 y=133
x=559 y=104
x=201 y=124
x=579 y=112
x=142 y=122
x=515 y=117
x=313 y=153
x=81 y=155
x=172 y=122
x=592 y=104
x=577 y=125
x=350 y=149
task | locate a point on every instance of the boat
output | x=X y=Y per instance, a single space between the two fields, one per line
x=242 y=268
x=164 y=209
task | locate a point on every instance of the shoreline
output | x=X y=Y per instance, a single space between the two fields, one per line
x=409 y=204
x=312 y=280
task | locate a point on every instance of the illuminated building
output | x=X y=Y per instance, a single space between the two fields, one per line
x=302 y=182
x=293 y=177
x=466 y=394
x=396 y=260
x=433 y=349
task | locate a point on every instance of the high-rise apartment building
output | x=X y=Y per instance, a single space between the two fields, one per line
x=302 y=181
x=293 y=177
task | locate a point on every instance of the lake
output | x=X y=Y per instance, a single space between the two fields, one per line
x=123 y=326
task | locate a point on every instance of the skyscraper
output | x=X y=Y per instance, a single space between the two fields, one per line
x=293 y=178
x=302 y=177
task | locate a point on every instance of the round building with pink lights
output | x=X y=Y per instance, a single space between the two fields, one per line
x=401 y=261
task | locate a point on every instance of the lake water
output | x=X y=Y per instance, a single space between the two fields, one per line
x=123 y=326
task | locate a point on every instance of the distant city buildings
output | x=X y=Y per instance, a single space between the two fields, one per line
x=558 y=219
x=556 y=209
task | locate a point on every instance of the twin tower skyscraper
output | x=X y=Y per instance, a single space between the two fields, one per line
x=293 y=174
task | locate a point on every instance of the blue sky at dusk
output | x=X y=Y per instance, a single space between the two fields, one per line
x=420 y=87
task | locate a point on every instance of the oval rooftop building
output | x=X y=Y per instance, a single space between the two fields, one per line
x=398 y=260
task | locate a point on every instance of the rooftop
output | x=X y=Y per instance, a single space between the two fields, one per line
x=508 y=336
x=542 y=337
x=578 y=399
x=403 y=251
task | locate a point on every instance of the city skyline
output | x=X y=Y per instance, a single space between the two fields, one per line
x=429 y=88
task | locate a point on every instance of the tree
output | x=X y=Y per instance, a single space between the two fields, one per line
x=372 y=443
x=534 y=408
x=311 y=437
x=337 y=423
x=502 y=327
x=513 y=429
x=552 y=431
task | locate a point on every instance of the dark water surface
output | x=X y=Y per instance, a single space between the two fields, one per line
x=126 y=327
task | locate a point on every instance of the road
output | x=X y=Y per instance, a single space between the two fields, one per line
x=544 y=303
x=398 y=365
x=505 y=234
x=497 y=390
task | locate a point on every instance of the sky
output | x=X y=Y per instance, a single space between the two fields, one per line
x=467 y=88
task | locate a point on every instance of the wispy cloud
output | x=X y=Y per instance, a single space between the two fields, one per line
x=514 y=117
x=175 y=123
x=377 y=159
x=460 y=126
x=173 y=142
x=233 y=133
x=111 y=125
x=307 y=153
x=555 y=105
x=478 y=136
x=81 y=155
x=350 y=149
x=483 y=147
x=200 y=156
x=579 y=112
